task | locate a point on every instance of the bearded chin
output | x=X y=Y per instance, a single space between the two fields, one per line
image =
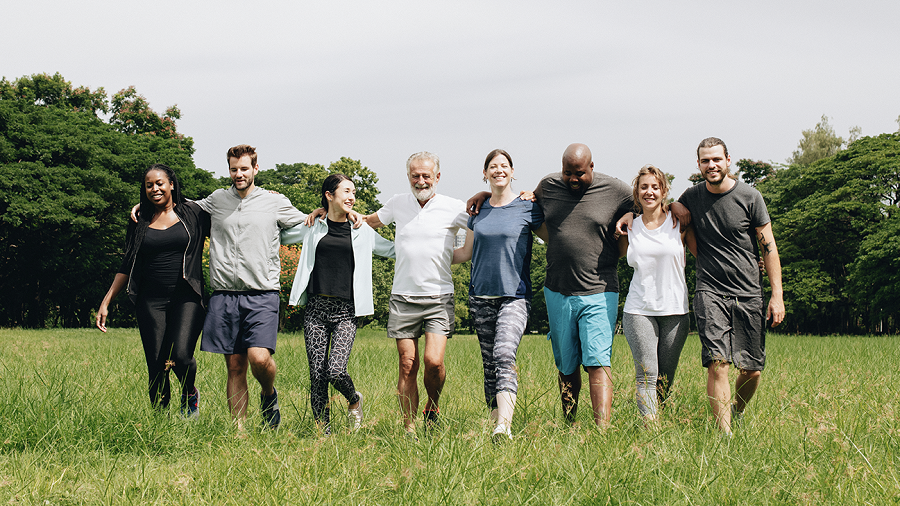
x=423 y=194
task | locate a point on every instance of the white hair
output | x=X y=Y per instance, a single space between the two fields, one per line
x=424 y=155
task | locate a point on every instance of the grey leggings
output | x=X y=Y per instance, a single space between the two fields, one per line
x=499 y=324
x=329 y=328
x=656 y=343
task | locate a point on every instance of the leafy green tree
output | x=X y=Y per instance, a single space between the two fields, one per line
x=131 y=114
x=71 y=179
x=752 y=171
x=538 y=321
x=817 y=143
x=54 y=91
x=831 y=221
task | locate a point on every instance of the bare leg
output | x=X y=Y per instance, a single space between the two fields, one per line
x=601 y=388
x=407 y=387
x=719 y=392
x=569 y=388
x=263 y=367
x=435 y=373
x=744 y=388
x=236 y=386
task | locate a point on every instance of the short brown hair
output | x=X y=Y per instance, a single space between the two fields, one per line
x=493 y=154
x=241 y=150
x=663 y=186
x=710 y=142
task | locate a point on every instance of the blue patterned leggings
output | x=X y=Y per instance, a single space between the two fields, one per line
x=499 y=324
x=329 y=330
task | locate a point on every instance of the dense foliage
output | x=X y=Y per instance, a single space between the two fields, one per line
x=70 y=179
x=837 y=225
x=72 y=175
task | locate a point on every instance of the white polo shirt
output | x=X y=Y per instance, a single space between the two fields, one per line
x=424 y=242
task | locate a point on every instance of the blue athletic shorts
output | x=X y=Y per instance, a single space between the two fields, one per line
x=581 y=328
x=236 y=321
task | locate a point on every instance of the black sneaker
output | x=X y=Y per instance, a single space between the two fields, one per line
x=190 y=404
x=270 y=411
x=432 y=420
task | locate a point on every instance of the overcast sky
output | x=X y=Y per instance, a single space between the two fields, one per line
x=638 y=82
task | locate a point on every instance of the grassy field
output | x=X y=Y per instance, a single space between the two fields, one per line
x=75 y=428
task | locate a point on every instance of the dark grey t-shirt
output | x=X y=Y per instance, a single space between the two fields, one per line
x=582 y=253
x=725 y=226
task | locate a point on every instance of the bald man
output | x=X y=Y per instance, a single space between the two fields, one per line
x=582 y=287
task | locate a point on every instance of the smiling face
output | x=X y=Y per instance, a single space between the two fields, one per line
x=577 y=174
x=714 y=166
x=422 y=179
x=341 y=201
x=158 y=188
x=650 y=193
x=499 y=172
x=242 y=172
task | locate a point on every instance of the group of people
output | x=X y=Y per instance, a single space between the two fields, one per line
x=587 y=219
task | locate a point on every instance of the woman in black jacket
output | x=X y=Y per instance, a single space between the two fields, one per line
x=162 y=273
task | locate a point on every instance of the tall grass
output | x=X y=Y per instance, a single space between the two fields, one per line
x=76 y=427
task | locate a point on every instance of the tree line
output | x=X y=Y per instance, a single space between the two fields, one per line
x=73 y=158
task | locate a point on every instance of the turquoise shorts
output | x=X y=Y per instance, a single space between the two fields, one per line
x=581 y=328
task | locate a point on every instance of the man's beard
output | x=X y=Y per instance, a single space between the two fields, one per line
x=423 y=194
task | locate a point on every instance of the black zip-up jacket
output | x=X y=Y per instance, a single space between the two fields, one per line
x=196 y=222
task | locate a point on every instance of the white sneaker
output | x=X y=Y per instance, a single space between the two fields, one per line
x=355 y=416
x=501 y=434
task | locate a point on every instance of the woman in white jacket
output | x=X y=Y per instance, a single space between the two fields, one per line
x=334 y=282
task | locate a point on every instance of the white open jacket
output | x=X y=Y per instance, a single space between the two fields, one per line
x=365 y=241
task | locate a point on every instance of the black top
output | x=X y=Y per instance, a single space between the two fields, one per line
x=162 y=258
x=332 y=273
x=196 y=223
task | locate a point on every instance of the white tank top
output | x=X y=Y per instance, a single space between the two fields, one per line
x=658 y=287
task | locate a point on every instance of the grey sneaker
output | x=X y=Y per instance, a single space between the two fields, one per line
x=355 y=416
x=271 y=413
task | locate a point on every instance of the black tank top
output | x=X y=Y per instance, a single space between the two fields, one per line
x=332 y=274
x=162 y=255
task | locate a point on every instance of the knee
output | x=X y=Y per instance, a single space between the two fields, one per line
x=718 y=370
x=236 y=367
x=750 y=375
x=409 y=365
x=433 y=363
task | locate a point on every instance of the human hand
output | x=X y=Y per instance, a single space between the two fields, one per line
x=102 y=313
x=624 y=225
x=313 y=216
x=776 y=311
x=134 y=212
x=356 y=218
x=473 y=205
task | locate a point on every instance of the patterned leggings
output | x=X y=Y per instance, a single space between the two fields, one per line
x=330 y=322
x=499 y=324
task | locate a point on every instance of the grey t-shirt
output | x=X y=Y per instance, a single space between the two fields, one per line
x=582 y=252
x=725 y=226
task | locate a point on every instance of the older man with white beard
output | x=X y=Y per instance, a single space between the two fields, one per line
x=422 y=294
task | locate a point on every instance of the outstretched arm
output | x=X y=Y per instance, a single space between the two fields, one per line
x=775 y=311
